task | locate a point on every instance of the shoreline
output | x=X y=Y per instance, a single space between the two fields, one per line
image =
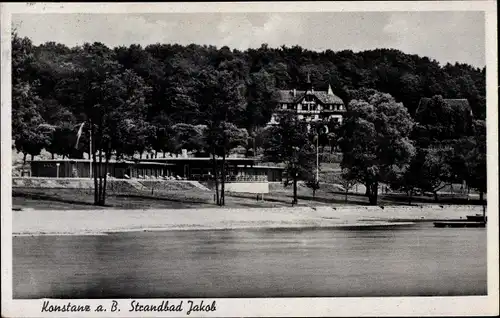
x=249 y=227
x=104 y=222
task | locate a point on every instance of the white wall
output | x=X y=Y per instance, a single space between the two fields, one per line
x=247 y=187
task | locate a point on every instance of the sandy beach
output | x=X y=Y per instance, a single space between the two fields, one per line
x=87 y=222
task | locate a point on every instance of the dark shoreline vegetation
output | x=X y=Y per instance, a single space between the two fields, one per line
x=132 y=102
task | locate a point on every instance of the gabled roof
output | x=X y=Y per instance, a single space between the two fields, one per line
x=326 y=98
x=286 y=96
x=460 y=103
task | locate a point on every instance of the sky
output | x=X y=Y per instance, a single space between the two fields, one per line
x=444 y=36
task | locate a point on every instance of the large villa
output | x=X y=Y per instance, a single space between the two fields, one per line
x=309 y=105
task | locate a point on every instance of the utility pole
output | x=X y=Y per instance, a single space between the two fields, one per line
x=317 y=157
x=78 y=135
x=90 y=155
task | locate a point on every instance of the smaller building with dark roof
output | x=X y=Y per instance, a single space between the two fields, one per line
x=460 y=104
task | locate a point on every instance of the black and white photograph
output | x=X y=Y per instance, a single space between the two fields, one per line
x=219 y=159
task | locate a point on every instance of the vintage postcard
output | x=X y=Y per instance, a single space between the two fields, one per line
x=249 y=159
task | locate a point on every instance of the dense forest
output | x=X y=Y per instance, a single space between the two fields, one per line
x=167 y=97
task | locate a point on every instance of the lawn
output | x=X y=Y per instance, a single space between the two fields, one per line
x=59 y=198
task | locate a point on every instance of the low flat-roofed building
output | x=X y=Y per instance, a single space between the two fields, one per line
x=80 y=168
x=199 y=169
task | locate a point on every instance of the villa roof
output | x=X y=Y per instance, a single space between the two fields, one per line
x=286 y=96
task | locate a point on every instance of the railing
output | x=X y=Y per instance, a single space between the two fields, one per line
x=305 y=111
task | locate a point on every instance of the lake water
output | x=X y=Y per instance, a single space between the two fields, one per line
x=407 y=261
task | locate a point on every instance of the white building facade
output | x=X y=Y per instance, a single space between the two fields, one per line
x=309 y=105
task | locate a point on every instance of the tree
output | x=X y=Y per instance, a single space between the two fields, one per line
x=375 y=141
x=165 y=137
x=30 y=132
x=434 y=170
x=290 y=143
x=346 y=182
x=22 y=59
x=261 y=99
x=313 y=184
x=63 y=140
x=471 y=153
x=220 y=96
x=188 y=137
x=111 y=101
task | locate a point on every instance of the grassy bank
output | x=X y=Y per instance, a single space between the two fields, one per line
x=66 y=199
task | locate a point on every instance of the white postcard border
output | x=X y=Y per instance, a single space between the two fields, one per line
x=376 y=306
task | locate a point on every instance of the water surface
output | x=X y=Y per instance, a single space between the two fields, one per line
x=407 y=261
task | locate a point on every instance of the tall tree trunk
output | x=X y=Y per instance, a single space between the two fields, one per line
x=295 y=200
x=254 y=147
x=410 y=194
x=32 y=157
x=436 y=197
x=346 y=193
x=94 y=165
x=52 y=154
x=373 y=198
x=156 y=154
x=223 y=179
x=481 y=197
x=24 y=158
x=101 y=177
x=140 y=155
x=214 y=163
x=368 y=188
x=164 y=154
x=108 y=156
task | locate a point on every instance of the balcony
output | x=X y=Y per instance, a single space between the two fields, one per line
x=303 y=111
x=334 y=111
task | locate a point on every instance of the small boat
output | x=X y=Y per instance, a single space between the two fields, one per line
x=476 y=218
x=455 y=224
